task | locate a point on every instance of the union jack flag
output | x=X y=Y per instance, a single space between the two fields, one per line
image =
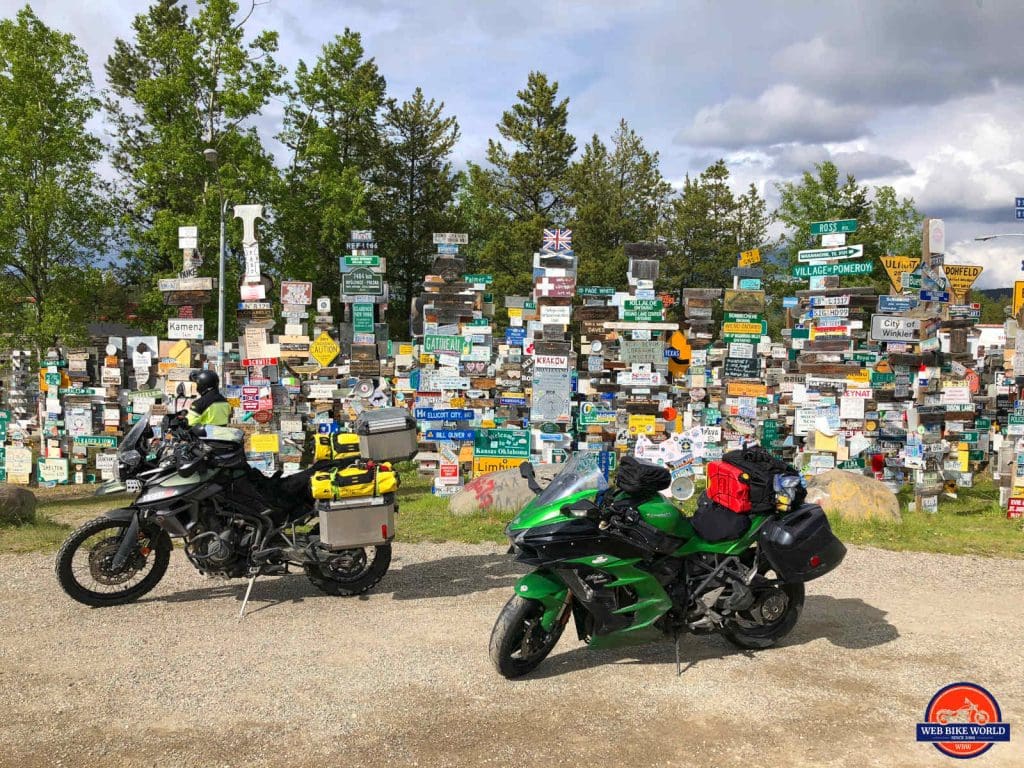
x=557 y=239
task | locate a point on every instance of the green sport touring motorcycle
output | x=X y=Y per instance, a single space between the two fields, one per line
x=629 y=567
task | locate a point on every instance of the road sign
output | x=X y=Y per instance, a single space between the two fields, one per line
x=1018 y=296
x=890 y=328
x=502 y=443
x=596 y=290
x=824 y=254
x=935 y=296
x=835 y=240
x=895 y=266
x=819 y=270
x=181 y=328
x=362 y=282
x=451 y=238
x=324 y=349
x=961 y=277
x=363 y=260
x=296 y=292
x=362 y=317
x=747 y=258
x=894 y=304
x=828 y=227
x=642 y=310
x=484 y=279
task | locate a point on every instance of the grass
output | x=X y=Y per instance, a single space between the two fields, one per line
x=973 y=524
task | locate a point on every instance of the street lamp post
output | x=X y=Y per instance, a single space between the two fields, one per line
x=210 y=155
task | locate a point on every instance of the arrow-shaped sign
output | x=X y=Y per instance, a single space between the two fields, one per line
x=820 y=254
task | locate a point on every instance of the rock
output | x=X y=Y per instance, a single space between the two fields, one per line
x=17 y=505
x=499 y=491
x=853 y=496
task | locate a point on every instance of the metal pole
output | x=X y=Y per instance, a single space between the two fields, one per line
x=220 y=297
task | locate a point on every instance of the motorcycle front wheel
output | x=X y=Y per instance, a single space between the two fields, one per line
x=85 y=563
x=350 y=571
x=772 y=617
x=518 y=641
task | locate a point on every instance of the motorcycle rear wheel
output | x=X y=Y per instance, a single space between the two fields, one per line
x=93 y=582
x=518 y=641
x=339 y=583
x=768 y=634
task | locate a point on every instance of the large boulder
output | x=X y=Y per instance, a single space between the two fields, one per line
x=853 y=496
x=499 y=491
x=17 y=505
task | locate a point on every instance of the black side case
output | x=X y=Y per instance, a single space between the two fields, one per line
x=801 y=545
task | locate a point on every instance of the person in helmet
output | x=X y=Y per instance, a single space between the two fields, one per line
x=211 y=407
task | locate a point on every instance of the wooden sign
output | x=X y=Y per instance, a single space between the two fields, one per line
x=744 y=301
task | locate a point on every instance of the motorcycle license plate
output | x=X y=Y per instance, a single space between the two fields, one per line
x=133 y=486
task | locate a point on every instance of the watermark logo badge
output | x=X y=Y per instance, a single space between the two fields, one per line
x=963 y=720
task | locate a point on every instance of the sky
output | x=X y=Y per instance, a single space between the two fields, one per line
x=923 y=95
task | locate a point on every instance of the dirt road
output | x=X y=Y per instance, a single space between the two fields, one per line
x=401 y=677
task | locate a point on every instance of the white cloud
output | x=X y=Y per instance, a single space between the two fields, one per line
x=783 y=113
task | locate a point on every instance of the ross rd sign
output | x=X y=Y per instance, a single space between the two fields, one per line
x=830 y=227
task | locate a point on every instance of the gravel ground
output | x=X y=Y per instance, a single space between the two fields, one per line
x=401 y=676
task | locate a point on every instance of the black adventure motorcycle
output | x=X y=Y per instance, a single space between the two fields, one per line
x=234 y=521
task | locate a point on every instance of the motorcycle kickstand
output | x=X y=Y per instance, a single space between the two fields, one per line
x=248 y=591
x=675 y=639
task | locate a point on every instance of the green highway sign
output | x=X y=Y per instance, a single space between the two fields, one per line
x=502 y=444
x=362 y=261
x=595 y=290
x=819 y=270
x=485 y=279
x=642 y=310
x=832 y=227
x=826 y=254
x=362 y=317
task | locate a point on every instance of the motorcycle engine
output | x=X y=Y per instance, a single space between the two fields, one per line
x=219 y=549
x=717 y=588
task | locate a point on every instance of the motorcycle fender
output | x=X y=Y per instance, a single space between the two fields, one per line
x=546 y=589
x=125 y=514
x=111 y=487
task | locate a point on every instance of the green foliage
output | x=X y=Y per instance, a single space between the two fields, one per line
x=616 y=197
x=332 y=128
x=53 y=210
x=525 y=189
x=708 y=228
x=886 y=224
x=414 y=194
x=183 y=85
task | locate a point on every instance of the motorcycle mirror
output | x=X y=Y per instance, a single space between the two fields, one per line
x=526 y=470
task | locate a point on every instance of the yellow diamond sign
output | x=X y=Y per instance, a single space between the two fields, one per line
x=961 y=277
x=895 y=266
x=324 y=349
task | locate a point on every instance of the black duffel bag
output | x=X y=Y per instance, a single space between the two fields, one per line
x=761 y=468
x=638 y=478
x=713 y=522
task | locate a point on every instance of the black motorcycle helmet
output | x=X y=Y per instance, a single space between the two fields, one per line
x=206 y=381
